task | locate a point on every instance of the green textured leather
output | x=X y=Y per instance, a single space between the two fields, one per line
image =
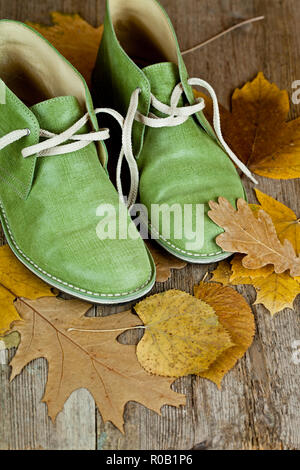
x=51 y=223
x=178 y=165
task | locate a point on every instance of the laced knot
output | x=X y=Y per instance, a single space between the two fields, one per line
x=175 y=116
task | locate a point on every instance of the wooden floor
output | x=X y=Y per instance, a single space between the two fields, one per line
x=258 y=407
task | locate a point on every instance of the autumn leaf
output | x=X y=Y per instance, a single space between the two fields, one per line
x=222 y=273
x=182 y=334
x=75 y=39
x=286 y=223
x=236 y=317
x=256 y=237
x=164 y=262
x=84 y=352
x=9 y=341
x=16 y=281
x=257 y=129
x=276 y=292
x=241 y=275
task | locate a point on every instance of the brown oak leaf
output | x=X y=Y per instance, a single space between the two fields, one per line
x=254 y=236
x=81 y=355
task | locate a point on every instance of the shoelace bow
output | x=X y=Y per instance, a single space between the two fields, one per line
x=55 y=144
x=175 y=116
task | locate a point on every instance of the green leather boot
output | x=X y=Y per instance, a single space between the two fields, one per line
x=182 y=162
x=53 y=188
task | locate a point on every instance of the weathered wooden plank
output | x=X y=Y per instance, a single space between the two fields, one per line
x=24 y=423
x=258 y=406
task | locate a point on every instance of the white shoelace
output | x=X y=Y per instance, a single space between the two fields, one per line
x=55 y=144
x=175 y=117
x=52 y=143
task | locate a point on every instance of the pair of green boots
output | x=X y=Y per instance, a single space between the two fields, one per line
x=54 y=187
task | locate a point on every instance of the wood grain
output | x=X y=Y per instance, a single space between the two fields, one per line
x=258 y=407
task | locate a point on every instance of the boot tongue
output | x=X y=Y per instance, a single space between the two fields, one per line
x=57 y=114
x=162 y=78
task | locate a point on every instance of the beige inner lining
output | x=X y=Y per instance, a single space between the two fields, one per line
x=32 y=69
x=143 y=31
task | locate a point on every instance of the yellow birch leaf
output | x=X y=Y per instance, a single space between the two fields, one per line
x=236 y=317
x=182 y=335
x=258 y=132
x=75 y=39
x=276 y=292
x=16 y=281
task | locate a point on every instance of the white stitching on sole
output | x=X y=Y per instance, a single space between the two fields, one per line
x=58 y=280
x=183 y=251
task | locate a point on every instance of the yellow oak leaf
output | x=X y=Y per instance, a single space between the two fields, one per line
x=222 y=273
x=182 y=335
x=241 y=275
x=75 y=39
x=257 y=129
x=276 y=292
x=16 y=281
x=236 y=317
x=286 y=223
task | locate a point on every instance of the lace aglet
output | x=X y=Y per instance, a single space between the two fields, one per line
x=251 y=177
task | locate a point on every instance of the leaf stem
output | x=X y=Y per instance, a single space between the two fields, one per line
x=82 y=330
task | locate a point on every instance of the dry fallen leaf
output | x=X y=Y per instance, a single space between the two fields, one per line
x=236 y=317
x=286 y=223
x=75 y=39
x=222 y=273
x=257 y=129
x=276 y=292
x=256 y=237
x=182 y=334
x=80 y=356
x=164 y=262
x=16 y=281
x=241 y=275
